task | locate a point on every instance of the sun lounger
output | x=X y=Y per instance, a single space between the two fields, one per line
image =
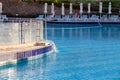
x=65 y=18
x=40 y=17
x=114 y=18
x=104 y=18
x=3 y=17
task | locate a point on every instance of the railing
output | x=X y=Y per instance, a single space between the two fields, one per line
x=88 y=20
x=63 y=19
x=21 y=19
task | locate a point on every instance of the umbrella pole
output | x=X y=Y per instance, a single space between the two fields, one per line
x=100 y=15
x=109 y=16
x=89 y=15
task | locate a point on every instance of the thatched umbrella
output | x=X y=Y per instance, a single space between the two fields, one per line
x=52 y=9
x=45 y=8
x=63 y=9
x=71 y=9
x=89 y=8
x=100 y=8
x=0 y=7
x=109 y=9
x=81 y=8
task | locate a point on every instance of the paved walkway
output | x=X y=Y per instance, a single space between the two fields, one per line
x=12 y=48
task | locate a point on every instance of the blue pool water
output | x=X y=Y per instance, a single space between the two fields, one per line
x=85 y=52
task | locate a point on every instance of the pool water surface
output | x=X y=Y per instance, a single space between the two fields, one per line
x=85 y=52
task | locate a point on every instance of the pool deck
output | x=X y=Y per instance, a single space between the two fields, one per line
x=66 y=20
x=86 y=21
x=19 y=51
x=20 y=47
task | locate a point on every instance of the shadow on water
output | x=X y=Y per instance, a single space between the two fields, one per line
x=8 y=65
x=20 y=62
x=48 y=59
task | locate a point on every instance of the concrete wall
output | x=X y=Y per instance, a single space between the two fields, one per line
x=32 y=31
x=10 y=33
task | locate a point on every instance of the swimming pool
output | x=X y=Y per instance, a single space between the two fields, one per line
x=85 y=52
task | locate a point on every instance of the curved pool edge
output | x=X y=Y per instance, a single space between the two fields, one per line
x=29 y=54
x=78 y=22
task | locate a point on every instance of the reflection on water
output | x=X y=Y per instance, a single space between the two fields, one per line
x=85 y=52
x=83 y=32
x=25 y=69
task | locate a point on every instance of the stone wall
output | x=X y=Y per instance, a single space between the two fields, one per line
x=24 y=9
x=11 y=8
